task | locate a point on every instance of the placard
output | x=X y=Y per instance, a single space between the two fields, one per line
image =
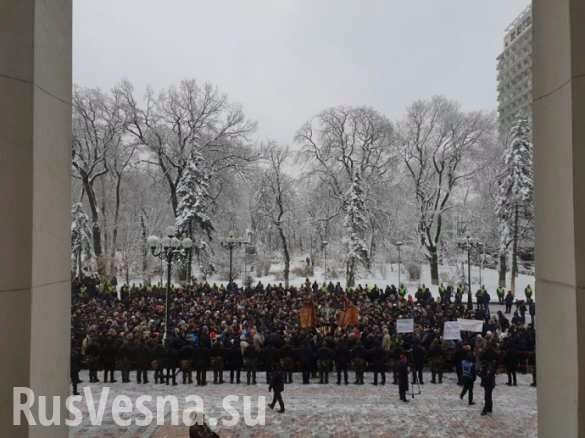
x=471 y=325
x=404 y=325
x=451 y=331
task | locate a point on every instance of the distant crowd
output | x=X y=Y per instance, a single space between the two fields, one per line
x=233 y=333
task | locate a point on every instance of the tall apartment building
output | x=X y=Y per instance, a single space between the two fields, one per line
x=515 y=73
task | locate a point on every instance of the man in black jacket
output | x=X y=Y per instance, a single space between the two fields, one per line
x=418 y=359
x=488 y=378
x=276 y=386
x=403 y=377
x=341 y=361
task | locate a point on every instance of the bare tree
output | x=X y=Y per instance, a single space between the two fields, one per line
x=274 y=198
x=97 y=127
x=185 y=118
x=343 y=142
x=437 y=141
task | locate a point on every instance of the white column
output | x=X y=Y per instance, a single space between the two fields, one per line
x=559 y=129
x=35 y=145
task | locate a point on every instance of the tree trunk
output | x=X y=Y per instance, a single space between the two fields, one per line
x=502 y=268
x=286 y=256
x=434 y=262
x=514 y=272
x=145 y=276
x=115 y=226
x=350 y=273
x=95 y=228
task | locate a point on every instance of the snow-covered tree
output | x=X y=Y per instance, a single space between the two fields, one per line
x=355 y=224
x=194 y=202
x=516 y=188
x=81 y=238
x=274 y=199
x=438 y=139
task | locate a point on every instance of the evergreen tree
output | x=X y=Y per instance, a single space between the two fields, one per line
x=81 y=235
x=355 y=225
x=515 y=206
x=193 y=205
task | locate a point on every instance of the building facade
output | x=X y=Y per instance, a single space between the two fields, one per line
x=515 y=73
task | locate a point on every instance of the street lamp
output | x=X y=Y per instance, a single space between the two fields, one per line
x=230 y=243
x=168 y=249
x=398 y=245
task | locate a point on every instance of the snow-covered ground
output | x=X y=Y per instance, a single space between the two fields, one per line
x=344 y=411
x=489 y=279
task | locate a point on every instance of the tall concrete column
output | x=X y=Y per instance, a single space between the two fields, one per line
x=559 y=132
x=35 y=154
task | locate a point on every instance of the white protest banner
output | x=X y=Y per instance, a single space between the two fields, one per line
x=404 y=325
x=471 y=325
x=451 y=331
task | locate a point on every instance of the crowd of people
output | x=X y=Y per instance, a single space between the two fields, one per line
x=235 y=333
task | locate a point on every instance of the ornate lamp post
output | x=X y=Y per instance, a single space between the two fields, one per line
x=230 y=243
x=170 y=248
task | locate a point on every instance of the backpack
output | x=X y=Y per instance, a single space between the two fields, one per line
x=467 y=368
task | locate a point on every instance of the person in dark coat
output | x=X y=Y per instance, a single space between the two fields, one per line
x=269 y=356
x=250 y=356
x=109 y=350
x=511 y=360
x=306 y=357
x=418 y=360
x=92 y=357
x=488 y=378
x=468 y=377
x=403 y=377
x=359 y=362
x=186 y=353
x=509 y=300
x=125 y=352
x=75 y=366
x=377 y=358
x=233 y=358
x=287 y=362
x=276 y=386
x=217 y=363
x=142 y=353
x=158 y=353
x=341 y=357
x=436 y=358
x=169 y=363
x=324 y=358
x=202 y=357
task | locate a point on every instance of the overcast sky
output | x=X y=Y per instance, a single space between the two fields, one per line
x=286 y=60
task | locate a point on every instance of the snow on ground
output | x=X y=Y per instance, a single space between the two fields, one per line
x=344 y=411
x=489 y=279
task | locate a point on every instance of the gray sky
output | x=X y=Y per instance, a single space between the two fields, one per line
x=286 y=60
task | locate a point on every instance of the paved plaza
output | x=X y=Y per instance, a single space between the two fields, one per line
x=340 y=411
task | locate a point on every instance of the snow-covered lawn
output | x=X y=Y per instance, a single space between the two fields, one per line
x=489 y=279
x=347 y=411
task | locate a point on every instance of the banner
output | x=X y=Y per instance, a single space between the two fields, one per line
x=404 y=325
x=470 y=325
x=307 y=315
x=451 y=331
